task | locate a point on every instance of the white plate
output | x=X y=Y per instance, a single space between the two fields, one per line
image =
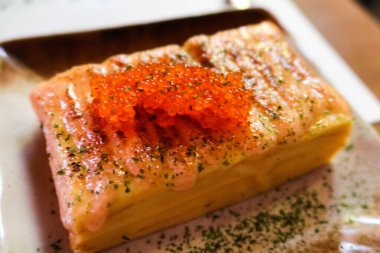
x=332 y=209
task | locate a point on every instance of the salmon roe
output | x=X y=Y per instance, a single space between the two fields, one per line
x=168 y=92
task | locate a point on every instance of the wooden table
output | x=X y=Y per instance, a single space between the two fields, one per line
x=354 y=34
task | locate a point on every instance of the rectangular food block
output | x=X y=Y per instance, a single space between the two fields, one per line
x=177 y=160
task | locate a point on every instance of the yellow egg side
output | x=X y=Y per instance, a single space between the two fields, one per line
x=150 y=209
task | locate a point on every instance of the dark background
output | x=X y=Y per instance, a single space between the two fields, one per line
x=373 y=6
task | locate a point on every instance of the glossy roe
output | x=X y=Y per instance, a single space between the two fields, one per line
x=168 y=92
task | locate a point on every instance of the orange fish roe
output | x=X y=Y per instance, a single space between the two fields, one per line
x=170 y=91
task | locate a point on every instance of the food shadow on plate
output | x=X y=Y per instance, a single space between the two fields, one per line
x=50 y=55
x=53 y=236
